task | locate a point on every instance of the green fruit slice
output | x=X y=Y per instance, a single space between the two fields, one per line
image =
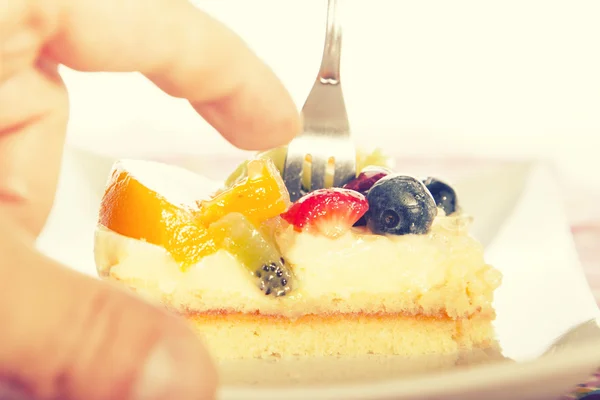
x=236 y=234
x=376 y=158
x=277 y=155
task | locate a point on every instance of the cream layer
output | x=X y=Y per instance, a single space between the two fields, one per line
x=441 y=273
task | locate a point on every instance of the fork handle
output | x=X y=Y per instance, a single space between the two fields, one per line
x=329 y=73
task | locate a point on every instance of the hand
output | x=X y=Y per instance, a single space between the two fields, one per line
x=65 y=335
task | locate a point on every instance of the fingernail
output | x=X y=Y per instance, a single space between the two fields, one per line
x=175 y=370
x=161 y=375
x=12 y=191
x=155 y=381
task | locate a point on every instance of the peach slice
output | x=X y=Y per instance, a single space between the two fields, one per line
x=157 y=203
x=258 y=197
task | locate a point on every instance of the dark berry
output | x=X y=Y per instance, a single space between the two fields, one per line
x=366 y=179
x=400 y=205
x=363 y=182
x=443 y=194
x=594 y=395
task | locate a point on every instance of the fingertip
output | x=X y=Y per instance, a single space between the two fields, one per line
x=254 y=117
x=281 y=124
x=178 y=366
x=188 y=54
x=282 y=129
x=153 y=355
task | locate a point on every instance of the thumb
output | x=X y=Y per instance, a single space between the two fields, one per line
x=68 y=336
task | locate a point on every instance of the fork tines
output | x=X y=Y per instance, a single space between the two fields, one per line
x=330 y=162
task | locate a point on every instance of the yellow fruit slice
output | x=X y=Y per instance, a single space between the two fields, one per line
x=157 y=203
x=260 y=196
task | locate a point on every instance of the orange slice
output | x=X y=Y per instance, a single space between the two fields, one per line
x=260 y=196
x=157 y=203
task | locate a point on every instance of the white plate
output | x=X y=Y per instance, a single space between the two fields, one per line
x=519 y=218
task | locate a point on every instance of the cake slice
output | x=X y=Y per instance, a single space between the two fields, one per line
x=384 y=266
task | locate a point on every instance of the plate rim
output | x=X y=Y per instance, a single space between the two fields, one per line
x=430 y=384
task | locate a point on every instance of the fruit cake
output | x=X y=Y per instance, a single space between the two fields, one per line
x=382 y=266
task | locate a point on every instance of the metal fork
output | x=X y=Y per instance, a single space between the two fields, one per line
x=326 y=136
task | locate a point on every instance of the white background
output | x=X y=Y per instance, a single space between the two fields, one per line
x=474 y=77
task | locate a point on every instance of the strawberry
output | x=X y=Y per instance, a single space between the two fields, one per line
x=331 y=212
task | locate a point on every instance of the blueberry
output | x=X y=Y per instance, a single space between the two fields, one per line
x=443 y=194
x=594 y=395
x=400 y=205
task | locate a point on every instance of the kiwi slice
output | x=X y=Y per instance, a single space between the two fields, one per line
x=236 y=234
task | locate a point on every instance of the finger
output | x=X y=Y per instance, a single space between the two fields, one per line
x=67 y=336
x=33 y=119
x=186 y=53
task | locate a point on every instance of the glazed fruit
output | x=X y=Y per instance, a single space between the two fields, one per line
x=259 y=196
x=330 y=212
x=189 y=242
x=366 y=179
x=236 y=234
x=272 y=227
x=443 y=194
x=277 y=155
x=400 y=205
x=132 y=207
x=375 y=158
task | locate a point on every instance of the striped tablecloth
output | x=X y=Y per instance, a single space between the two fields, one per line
x=581 y=205
x=587 y=237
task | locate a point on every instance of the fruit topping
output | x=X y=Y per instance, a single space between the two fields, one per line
x=189 y=242
x=363 y=182
x=331 y=212
x=443 y=194
x=259 y=196
x=400 y=205
x=375 y=158
x=273 y=227
x=366 y=179
x=136 y=204
x=236 y=234
x=277 y=155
